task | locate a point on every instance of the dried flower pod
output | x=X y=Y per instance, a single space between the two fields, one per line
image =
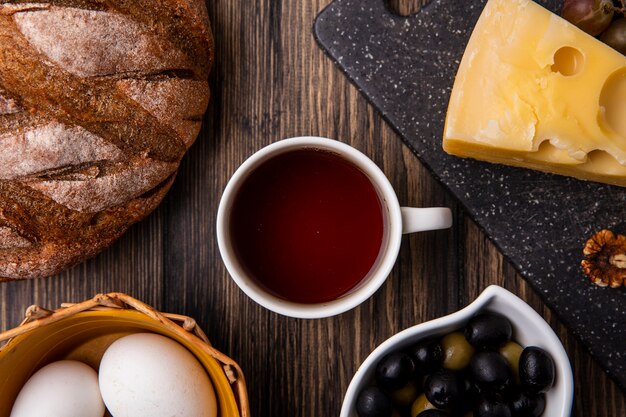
x=605 y=259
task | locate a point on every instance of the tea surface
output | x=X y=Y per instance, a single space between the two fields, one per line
x=307 y=225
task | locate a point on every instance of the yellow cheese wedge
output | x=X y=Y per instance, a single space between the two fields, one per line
x=535 y=91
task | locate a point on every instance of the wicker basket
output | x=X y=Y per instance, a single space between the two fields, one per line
x=84 y=331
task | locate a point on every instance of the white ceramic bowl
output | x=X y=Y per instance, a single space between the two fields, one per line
x=529 y=329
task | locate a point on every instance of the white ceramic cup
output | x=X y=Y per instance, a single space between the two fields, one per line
x=397 y=220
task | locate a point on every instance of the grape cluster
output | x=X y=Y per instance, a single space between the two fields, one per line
x=603 y=18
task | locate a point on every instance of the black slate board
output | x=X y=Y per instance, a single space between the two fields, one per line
x=406 y=68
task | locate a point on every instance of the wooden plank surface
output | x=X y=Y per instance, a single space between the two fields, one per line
x=271 y=82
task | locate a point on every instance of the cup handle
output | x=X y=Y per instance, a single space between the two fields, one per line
x=423 y=219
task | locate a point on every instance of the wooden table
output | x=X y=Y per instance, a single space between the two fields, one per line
x=271 y=82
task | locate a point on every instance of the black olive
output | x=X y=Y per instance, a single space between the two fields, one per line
x=507 y=393
x=490 y=371
x=471 y=395
x=427 y=356
x=488 y=330
x=394 y=371
x=443 y=388
x=536 y=370
x=528 y=405
x=433 y=413
x=492 y=408
x=372 y=402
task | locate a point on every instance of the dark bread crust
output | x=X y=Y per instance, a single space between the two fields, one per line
x=99 y=101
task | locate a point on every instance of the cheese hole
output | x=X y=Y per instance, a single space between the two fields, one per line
x=613 y=103
x=602 y=161
x=549 y=152
x=568 y=61
x=547 y=149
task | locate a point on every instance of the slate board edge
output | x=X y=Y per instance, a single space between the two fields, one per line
x=616 y=378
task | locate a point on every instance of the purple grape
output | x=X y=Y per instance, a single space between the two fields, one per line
x=615 y=35
x=592 y=16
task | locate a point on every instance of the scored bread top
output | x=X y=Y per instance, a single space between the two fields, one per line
x=99 y=101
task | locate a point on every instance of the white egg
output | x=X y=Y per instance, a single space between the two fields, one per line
x=60 y=389
x=149 y=375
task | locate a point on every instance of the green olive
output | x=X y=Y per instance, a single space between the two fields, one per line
x=405 y=396
x=457 y=351
x=511 y=352
x=421 y=404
